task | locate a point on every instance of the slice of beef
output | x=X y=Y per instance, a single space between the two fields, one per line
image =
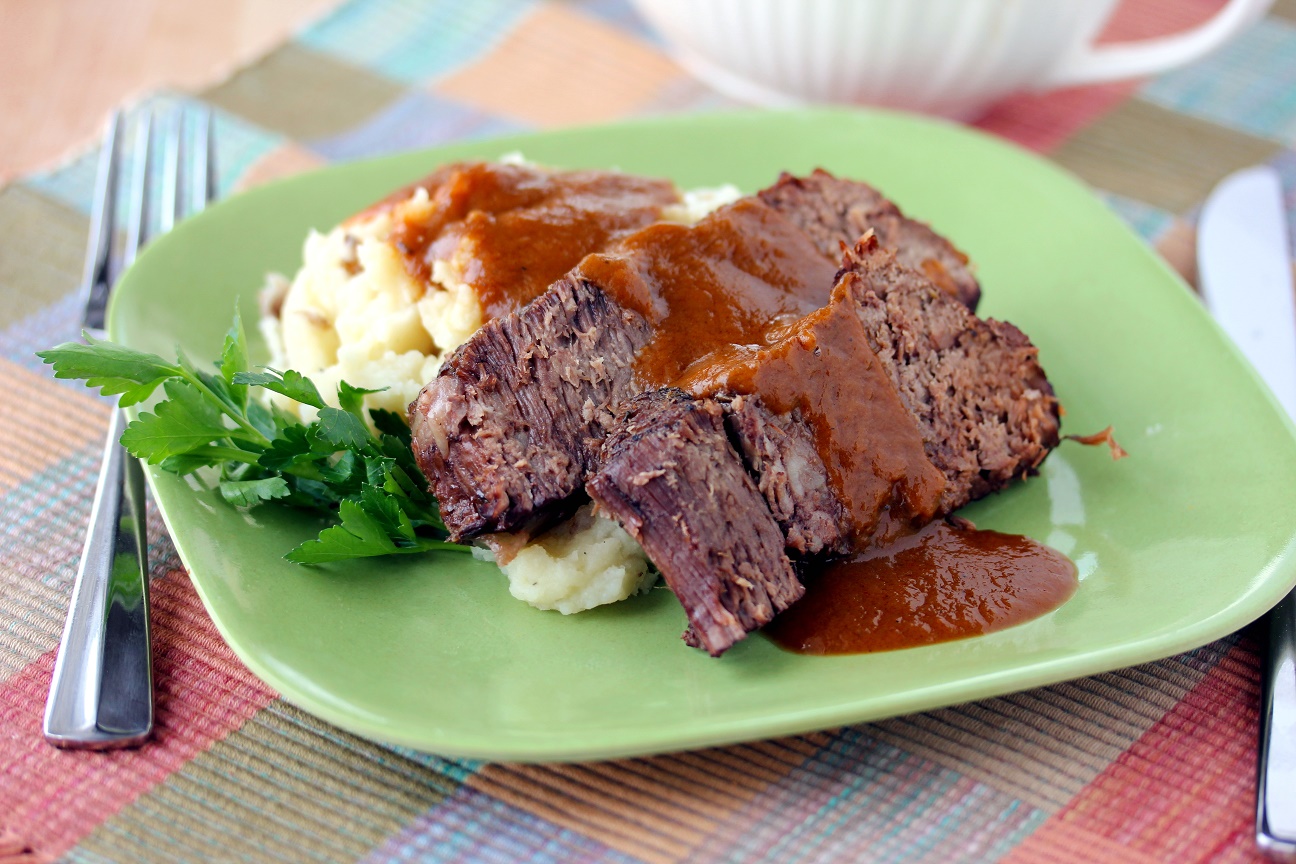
x=986 y=411
x=510 y=427
x=674 y=481
x=779 y=451
x=821 y=418
x=513 y=421
x=836 y=213
x=974 y=388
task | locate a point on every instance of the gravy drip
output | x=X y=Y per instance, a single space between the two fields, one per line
x=940 y=584
x=738 y=307
x=520 y=228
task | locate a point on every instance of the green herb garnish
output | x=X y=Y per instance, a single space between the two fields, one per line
x=335 y=464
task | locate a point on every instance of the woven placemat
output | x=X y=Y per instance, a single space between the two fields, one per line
x=1151 y=763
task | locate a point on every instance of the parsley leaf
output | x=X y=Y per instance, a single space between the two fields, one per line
x=234 y=359
x=184 y=421
x=359 y=536
x=113 y=368
x=291 y=447
x=337 y=428
x=260 y=454
x=390 y=423
x=245 y=493
x=387 y=512
x=352 y=398
x=290 y=383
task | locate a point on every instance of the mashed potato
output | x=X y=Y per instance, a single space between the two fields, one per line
x=585 y=562
x=353 y=313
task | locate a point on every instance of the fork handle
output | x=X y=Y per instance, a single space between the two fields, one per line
x=101 y=694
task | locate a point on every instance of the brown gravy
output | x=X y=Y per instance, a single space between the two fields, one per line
x=731 y=279
x=940 y=584
x=823 y=369
x=524 y=227
x=740 y=305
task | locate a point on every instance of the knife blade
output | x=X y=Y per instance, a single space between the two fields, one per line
x=1244 y=265
x=1245 y=270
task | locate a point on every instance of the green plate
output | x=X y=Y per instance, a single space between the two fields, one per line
x=1185 y=541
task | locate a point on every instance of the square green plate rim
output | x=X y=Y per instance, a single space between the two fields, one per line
x=1174 y=552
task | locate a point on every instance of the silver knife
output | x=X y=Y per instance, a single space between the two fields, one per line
x=1245 y=268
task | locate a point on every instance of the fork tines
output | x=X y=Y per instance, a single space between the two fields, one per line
x=188 y=185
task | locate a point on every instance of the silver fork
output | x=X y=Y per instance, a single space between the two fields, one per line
x=101 y=693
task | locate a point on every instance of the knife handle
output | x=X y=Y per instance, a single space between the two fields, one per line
x=1276 y=774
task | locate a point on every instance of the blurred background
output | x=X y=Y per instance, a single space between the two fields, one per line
x=64 y=64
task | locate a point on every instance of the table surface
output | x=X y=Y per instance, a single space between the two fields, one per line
x=1150 y=763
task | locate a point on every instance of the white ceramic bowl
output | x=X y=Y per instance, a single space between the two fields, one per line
x=950 y=57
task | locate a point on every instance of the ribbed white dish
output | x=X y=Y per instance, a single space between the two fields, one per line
x=950 y=57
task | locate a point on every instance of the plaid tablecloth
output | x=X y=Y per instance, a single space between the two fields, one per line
x=1152 y=763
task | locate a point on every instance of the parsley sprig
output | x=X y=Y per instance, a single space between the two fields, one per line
x=208 y=419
